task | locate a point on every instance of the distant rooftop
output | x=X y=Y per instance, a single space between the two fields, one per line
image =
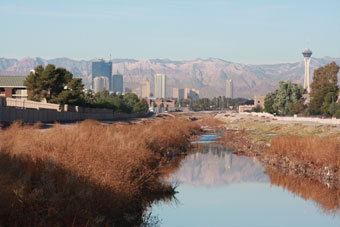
x=100 y=60
x=12 y=81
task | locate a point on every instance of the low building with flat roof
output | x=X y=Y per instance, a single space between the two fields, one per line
x=245 y=108
x=13 y=87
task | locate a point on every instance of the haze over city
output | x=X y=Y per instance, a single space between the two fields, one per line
x=251 y=32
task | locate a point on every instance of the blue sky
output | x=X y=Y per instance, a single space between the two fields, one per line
x=245 y=31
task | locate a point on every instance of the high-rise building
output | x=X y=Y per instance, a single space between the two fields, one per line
x=101 y=83
x=229 y=89
x=102 y=68
x=178 y=93
x=186 y=93
x=146 y=89
x=196 y=91
x=191 y=93
x=160 y=86
x=117 y=83
x=307 y=54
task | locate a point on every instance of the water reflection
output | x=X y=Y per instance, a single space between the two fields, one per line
x=326 y=197
x=212 y=165
x=216 y=188
x=206 y=138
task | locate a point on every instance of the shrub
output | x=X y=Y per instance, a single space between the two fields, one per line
x=308 y=149
x=87 y=174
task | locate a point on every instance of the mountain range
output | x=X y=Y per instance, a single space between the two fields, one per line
x=207 y=75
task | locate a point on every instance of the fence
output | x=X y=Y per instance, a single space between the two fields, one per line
x=31 y=112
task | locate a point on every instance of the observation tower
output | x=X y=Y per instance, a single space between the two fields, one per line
x=307 y=54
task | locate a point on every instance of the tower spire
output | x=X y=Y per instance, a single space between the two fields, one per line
x=307 y=55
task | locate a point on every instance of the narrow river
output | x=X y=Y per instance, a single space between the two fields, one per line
x=218 y=188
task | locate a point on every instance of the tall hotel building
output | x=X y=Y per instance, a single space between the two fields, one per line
x=117 y=83
x=229 y=89
x=101 y=83
x=146 y=89
x=102 y=68
x=160 y=86
x=178 y=93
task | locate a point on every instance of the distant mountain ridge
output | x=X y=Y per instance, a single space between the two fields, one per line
x=207 y=75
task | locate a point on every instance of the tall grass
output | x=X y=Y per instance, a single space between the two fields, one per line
x=320 y=151
x=86 y=175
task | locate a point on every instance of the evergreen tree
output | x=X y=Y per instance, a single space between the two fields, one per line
x=269 y=102
x=281 y=99
x=324 y=89
x=56 y=85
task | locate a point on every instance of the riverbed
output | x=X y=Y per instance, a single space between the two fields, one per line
x=219 y=188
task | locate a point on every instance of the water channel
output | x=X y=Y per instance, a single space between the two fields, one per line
x=218 y=188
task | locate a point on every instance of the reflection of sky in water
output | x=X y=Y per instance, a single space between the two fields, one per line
x=207 y=138
x=217 y=188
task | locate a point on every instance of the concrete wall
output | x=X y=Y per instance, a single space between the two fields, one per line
x=32 y=112
x=295 y=118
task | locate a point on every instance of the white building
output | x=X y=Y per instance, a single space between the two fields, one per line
x=146 y=89
x=101 y=83
x=160 y=86
x=229 y=89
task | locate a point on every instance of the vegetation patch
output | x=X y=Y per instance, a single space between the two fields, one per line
x=89 y=174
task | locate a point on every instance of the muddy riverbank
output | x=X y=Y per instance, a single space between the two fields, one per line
x=270 y=144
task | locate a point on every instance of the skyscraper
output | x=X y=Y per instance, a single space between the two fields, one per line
x=178 y=93
x=102 y=68
x=191 y=93
x=307 y=54
x=146 y=89
x=186 y=92
x=160 y=86
x=117 y=83
x=229 y=89
x=101 y=83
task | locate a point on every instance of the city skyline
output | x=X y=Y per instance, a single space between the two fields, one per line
x=251 y=32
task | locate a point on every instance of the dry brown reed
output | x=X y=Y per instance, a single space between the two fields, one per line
x=211 y=122
x=87 y=174
x=320 y=151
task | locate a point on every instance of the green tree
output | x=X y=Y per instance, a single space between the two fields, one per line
x=72 y=94
x=333 y=109
x=88 y=98
x=269 y=102
x=296 y=107
x=141 y=107
x=56 y=85
x=257 y=109
x=280 y=100
x=324 y=89
x=337 y=114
